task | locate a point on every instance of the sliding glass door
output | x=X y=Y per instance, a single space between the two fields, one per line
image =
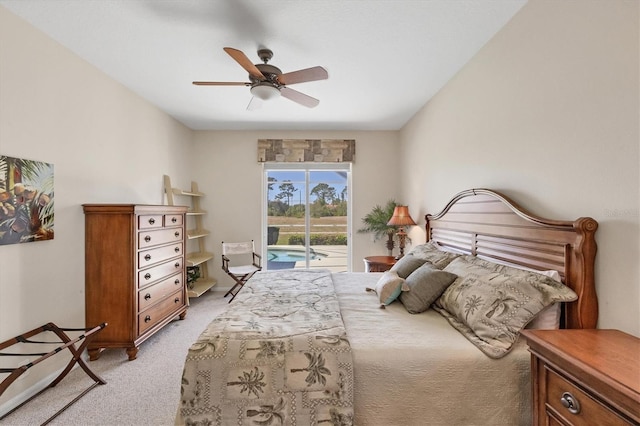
x=306 y=217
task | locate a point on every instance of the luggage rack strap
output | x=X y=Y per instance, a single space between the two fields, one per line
x=65 y=343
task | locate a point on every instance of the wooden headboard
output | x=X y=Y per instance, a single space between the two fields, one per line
x=487 y=224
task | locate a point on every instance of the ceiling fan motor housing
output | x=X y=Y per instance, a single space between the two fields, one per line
x=270 y=72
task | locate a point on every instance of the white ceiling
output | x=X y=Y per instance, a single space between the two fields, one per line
x=385 y=58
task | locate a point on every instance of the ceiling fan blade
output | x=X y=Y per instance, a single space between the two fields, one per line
x=221 y=83
x=254 y=104
x=299 y=97
x=302 y=76
x=245 y=62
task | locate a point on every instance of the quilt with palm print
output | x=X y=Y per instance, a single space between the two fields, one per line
x=278 y=355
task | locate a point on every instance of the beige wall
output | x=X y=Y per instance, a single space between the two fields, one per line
x=106 y=145
x=547 y=112
x=226 y=168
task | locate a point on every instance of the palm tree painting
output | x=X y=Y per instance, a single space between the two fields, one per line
x=26 y=200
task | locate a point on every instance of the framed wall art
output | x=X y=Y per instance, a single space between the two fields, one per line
x=26 y=200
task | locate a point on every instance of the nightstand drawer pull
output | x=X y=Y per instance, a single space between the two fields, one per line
x=147 y=296
x=147 y=238
x=177 y=234
x=147 y=318
x=152 y=221
x=569 y=402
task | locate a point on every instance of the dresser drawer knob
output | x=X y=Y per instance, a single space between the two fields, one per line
x=147 y=238
x=177 y=265
x=152 y=221
x=147 y=318
x=177 y=249
x=147 y=296
x=177 y=234
x=570 y=403
x=174 y=220
x=147 y=276
x=176 y=300
x=177 y=281
x=147 y=257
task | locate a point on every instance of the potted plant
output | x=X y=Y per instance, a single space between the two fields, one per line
x=375 y=222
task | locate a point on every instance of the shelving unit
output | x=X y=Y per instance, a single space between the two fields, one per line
x=196 y=233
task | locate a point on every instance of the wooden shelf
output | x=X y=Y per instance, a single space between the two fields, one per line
x=194 y=259
x=201 y=286
x=196 y=233
x=177 y=191
x=198 y=256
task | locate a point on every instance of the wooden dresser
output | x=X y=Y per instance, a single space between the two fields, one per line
x=584 y=377
x=134 y=272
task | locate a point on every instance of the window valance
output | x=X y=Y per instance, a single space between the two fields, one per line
x=306 y=150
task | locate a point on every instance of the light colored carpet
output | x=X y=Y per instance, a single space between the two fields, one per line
x=145 y=391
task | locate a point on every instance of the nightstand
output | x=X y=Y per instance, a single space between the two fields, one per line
x=584 y=377
x=378 y=263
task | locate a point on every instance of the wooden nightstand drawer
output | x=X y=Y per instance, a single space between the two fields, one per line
x=573 y=406
x=595 y=370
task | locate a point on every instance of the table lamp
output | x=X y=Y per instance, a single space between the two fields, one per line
x=401 y=218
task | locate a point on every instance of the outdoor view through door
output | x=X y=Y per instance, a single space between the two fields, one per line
x=307 y=216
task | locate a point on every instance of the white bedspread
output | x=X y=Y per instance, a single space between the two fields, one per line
x=418 y=370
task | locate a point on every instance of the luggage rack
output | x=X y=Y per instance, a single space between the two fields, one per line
x=66 y=343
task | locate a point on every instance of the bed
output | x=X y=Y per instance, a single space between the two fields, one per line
x=311 y=347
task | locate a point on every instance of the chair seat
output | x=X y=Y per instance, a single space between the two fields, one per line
x=243 y=269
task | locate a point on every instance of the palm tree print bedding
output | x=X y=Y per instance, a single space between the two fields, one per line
x=279 y=355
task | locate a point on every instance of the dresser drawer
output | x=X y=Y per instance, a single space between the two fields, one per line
x=157 y=313
x=150 y=221
x=172 y=220
x=150 y=275
x=152 y=256
x=588 y=411
x=161 y=236
x=151 y=295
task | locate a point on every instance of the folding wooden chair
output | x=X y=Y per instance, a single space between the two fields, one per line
x=250 y=263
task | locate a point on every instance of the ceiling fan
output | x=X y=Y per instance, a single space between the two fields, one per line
x=268 y=82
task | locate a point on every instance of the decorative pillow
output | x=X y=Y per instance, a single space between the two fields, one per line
x=388 y=287
x=432 y=254
x=547 y=319
x=465 y=265
x=406 y=265
x=491 y=309
x=426 y=284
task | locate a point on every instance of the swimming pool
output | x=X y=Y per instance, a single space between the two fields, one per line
x=285 y=257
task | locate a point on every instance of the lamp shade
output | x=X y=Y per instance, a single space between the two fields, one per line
x=265 y=91
x=401 y=217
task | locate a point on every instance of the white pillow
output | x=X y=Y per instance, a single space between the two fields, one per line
x=389 y=287
x=549 y=317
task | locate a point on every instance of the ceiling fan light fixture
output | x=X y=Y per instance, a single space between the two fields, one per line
x=265 y=91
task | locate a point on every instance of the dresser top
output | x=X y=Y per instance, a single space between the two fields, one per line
x=133 y=208
x=610 y=356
